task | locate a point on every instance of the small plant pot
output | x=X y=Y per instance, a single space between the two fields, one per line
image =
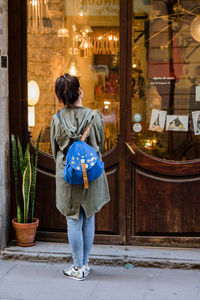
x=25 y=232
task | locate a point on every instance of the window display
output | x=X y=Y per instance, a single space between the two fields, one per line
x=80 y=38
x=166 y=78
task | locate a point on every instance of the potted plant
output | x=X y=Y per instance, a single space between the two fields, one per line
x=25 y=171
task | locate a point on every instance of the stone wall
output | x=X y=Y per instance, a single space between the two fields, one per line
x=4 y=127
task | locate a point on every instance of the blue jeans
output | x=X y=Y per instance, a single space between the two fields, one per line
x=81 y=237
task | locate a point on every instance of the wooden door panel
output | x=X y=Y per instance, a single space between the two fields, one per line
x=107 y=220
x=45 y=209
x=165 y=205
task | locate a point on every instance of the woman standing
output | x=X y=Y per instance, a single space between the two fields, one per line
x=66 y=127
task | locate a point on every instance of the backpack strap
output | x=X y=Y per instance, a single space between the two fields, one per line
x=87 y=130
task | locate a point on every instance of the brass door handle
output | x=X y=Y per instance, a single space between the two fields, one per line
x=130 y=148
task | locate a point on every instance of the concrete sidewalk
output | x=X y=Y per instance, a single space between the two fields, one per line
x=110 y=255
x=21 y=280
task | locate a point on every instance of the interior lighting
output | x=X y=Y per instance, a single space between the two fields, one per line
x=72 y=68
x=86 y=28
x=33 y=93
x=33 y=97
x=31 y=116
x=148 y=144
x=63 y=32
x=86 y=45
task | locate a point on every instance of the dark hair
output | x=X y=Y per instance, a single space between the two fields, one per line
x=66 y=89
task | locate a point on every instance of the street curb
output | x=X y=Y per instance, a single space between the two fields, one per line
x=114 y=260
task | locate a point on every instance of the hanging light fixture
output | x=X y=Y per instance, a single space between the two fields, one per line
x=87 y=29
x=195 y=28
x=73 y=68
x=63 y=32
x=85 y=44
x=38 y=16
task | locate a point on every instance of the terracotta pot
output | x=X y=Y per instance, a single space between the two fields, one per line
x=25 y=232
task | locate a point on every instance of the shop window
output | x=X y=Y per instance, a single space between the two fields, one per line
x=80 y=37
x=166 y=78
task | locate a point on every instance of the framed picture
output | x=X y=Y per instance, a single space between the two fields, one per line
x=196 y=122
x=177 y=123
x=101 y=75
x=157 y=121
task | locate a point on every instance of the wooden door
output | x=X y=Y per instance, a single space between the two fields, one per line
x=154 y=193
x=163 y=198
x=32 y=61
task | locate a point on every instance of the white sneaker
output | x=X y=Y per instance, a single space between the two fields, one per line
x=87 y=269
x=74 y=273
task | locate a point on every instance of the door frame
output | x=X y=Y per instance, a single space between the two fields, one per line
x=18 y=107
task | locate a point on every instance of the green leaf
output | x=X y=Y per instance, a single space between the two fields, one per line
x=15 y=168
x=21 y=159
x=26 y=190
x=27 y=155
x=33 y=183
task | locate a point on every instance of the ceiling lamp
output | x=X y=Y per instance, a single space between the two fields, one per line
x=38 y=16
x=86 y=44
x=63 y=32
x=73 y=68
x=195 y=28
x=82 y=12
x=87 y=29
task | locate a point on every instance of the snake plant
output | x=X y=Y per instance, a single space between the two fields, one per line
x=27 y=167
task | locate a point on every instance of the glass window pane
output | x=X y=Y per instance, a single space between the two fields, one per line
x=166 y=78
x=80 y=37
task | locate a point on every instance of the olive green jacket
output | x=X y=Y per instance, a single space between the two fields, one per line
x=73 y=123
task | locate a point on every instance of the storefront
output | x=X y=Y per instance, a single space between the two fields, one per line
x=138 y=64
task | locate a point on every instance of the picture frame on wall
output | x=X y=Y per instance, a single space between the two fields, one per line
x=196 y=122
x=157 y=121
x=177 y=123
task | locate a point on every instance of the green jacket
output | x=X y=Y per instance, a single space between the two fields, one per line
x=73 y=123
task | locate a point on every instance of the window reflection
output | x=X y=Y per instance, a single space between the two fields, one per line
x=81 y=38
x=165 y=78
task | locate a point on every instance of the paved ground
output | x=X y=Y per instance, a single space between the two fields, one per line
x=110 y=255
x=21 y=280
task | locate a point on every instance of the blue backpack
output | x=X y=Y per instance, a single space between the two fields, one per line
x=82 y=162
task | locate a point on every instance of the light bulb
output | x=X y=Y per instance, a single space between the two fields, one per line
x=87 y=29
x=34 y=2
x=73 y=69
x=63 y=32
x=86 y=45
